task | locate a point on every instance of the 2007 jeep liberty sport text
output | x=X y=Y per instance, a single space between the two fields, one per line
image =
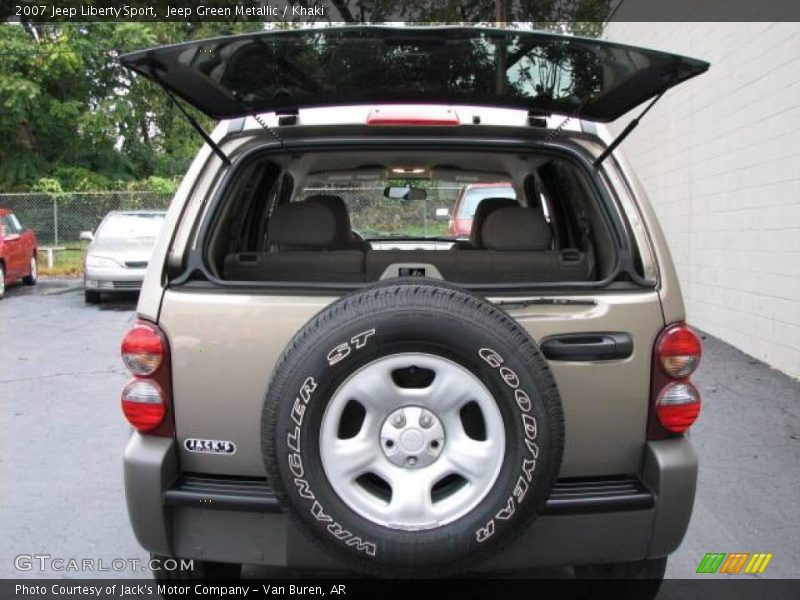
x=324 y=378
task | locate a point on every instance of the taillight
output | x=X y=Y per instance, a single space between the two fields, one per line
x=143 y=349
x=677 y=406
x=675 y=401
x=143 y=404
x=679 y=351
x=146 y=399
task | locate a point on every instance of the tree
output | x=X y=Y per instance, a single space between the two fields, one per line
x=72 y=113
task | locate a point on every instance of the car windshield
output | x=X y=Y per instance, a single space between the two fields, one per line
x=131 y=226
x=475 y=195
x=427 y=213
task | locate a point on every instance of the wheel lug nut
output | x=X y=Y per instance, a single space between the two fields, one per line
x=426 y=421
x=398 y=420
x=411 y=461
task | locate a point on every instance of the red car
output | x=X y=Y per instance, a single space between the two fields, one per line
x=17 y=251
x=469 y=199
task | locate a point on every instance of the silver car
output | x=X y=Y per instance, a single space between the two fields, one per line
x=120 y=249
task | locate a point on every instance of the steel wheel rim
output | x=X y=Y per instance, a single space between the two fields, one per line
x=445 y=482
x=2 y=280
x=34 y=268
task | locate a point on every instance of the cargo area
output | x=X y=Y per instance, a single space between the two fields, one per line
x=465 y=217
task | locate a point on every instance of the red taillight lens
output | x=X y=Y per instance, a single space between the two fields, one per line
x=679 y=351
x=675 y=401
x=143 y=349
x=147 y=399
x=143 y=404
x=677 y=406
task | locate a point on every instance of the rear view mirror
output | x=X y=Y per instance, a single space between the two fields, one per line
x=404 y=193
x=86 y=235
x=442 y=214
x=396 y=193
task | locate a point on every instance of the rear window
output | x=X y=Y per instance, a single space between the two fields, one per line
x=473 y=196
x=11 y=224
x=373 y=216
x=236 y=75
x=338 y=218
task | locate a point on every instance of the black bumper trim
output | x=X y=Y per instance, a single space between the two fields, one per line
x=608 y=494
x=223 y=493
x=252 y=494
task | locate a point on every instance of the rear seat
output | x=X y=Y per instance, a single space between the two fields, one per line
x=485 y=208
x=518 y=246
x=303 y=237
x=346 y=239
x=515 y=249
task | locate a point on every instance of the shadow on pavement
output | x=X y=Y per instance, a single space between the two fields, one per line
x=123 y=302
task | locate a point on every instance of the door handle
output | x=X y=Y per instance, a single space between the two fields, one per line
x=587 y=346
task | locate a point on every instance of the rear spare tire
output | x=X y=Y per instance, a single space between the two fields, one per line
x=412 y=429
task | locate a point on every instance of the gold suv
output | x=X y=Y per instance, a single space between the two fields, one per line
x=326 y=376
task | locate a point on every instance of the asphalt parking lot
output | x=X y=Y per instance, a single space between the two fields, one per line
x=63 y=435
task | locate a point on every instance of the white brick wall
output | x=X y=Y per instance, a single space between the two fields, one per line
x=720 y=159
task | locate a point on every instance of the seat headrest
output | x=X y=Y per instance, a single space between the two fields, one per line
x=305 y=224
x=486 y=207
x=340 y=212
x=516 y=228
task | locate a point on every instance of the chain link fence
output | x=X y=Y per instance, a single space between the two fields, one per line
x=58 y=219
x=372 y=214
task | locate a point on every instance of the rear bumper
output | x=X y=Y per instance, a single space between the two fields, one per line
x=239 y=520
x=569 y=496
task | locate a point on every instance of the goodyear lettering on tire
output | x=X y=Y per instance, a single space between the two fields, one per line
x=530 y=427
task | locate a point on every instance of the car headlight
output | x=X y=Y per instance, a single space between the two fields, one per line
x=100 y=262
